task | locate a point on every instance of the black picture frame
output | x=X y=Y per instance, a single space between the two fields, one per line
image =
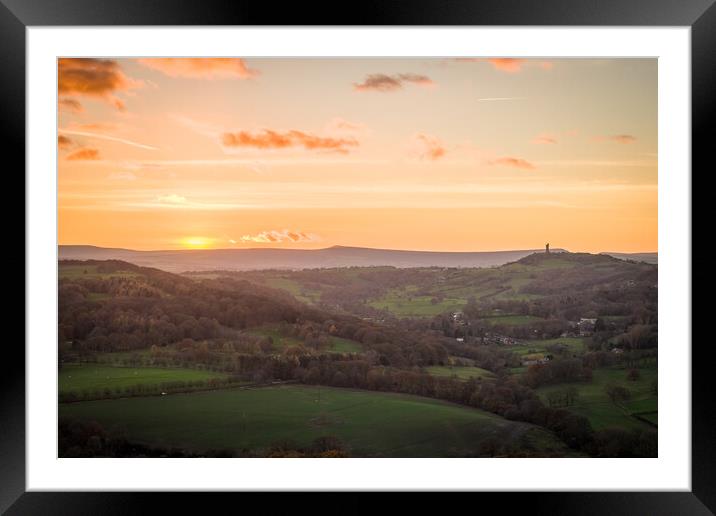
x=17 y=15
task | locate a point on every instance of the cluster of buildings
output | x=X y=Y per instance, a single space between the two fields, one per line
x=533 y=361
x=586 y=327
x=502 y=340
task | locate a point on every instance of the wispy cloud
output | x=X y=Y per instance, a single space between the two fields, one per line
x=268 y=139
x=506 y=64
x=515 y=65
x=340 y=125
x=623 y=139
x=71 y=105
x=544 y=139
x=509 y=161
x=83 y=154
x=106 y=137
x=64 y=143
x=387 y=83
x=94 y=78
x=429 y=147
x=274 y=236
x=201 y=67
x=509 y=64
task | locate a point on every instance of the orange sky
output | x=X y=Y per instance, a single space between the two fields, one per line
x=431 y=154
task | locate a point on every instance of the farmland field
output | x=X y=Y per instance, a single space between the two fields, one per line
x=295 y=288
x=527 y=347
x=463 y=373
x=369 y=423
x=427 y=292
x=280 y=341
x=512 y=320
x=341 y=345
x=92 y=377
x=595 y=405
x=404 y=305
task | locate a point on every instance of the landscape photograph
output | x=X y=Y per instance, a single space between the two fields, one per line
x=357 y=257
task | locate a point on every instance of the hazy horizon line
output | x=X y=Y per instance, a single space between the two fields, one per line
x=555 y=249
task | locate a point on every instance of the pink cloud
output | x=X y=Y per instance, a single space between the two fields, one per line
x=83 y=154
x=506 y=64
x=64 y=143
x=509 y=161
x=429 y=147
x=544 y=139
x=275 y=236
x=387 y=83
x=269 y=139
x=509 y=64
x=201 y=67
x=94 y=78
x=623 y=139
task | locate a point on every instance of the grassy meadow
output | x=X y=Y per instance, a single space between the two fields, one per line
x=94 y=377
x=369 y=423
x=594 y=403
x=463 y=373
x=281 y=341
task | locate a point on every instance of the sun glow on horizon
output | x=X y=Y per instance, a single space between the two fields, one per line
x=196 y=242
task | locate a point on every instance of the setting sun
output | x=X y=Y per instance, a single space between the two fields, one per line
x=196 y=242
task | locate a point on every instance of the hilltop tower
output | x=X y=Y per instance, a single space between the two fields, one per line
x=546 y=248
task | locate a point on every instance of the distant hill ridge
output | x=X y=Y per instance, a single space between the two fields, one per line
x=337 y=256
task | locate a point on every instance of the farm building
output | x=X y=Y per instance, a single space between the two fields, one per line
x=458 y=318
x=543 y=360
x=503 y=340
x=586 y=326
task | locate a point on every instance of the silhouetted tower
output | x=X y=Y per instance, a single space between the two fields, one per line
x=546 y=249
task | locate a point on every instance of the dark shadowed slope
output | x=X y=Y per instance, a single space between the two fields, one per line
x=252 y=259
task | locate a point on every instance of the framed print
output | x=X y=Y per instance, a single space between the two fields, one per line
x=447 y=249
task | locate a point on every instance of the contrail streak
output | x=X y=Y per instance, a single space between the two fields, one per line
x=108 y=138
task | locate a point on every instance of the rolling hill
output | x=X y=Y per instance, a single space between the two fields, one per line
x=337 y=256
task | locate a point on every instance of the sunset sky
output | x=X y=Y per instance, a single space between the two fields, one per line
x=427 y=154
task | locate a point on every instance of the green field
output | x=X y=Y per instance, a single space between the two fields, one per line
x=512 y=320
x=121 y=358
x=595 y=405
x=527 y=347
x=294 y=287
x=501 y=283
x=341 y=345
x=280 y=341
x=369 y=423
x=406 y=304
x=463 y=373
x=90 y=271
x=93 y=377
